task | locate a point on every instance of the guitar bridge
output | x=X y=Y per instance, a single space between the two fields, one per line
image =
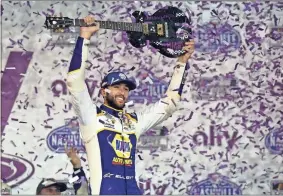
x=145 y=29
x=160 y=30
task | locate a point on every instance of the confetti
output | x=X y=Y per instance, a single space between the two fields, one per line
x=73 y=179
x=245 y=108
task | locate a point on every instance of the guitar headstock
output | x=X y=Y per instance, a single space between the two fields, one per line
x=58 y=22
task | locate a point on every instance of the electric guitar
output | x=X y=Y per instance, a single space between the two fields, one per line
x=166 y=30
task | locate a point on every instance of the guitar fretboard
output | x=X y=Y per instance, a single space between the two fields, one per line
x=121 y=26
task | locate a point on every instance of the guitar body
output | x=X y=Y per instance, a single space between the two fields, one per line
x=168 y=39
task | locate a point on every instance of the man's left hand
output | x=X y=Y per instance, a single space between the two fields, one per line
x=189 y=48
x=73 y=156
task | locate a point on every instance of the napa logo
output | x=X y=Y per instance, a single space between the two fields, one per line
x=150 y=88
x=274 y=141
x=122 y=147
x=215 y=184
x=217 y=38
x=67 y=135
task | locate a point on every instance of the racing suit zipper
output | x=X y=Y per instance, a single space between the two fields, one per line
x=124 y=162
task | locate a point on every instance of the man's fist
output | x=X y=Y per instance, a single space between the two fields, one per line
x=87 y=32
x=189 y=48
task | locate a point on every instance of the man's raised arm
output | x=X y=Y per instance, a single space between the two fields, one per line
x=81 y=100
x=164 y=108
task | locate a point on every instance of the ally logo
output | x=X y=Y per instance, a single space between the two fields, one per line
x=215 y=184
x=65 y=135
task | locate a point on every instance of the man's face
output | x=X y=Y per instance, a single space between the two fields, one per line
x=117 y=97
x=51 y=190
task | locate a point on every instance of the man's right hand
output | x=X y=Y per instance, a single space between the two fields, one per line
x=87 y=32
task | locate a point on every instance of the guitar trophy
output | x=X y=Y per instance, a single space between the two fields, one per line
x=166 y=30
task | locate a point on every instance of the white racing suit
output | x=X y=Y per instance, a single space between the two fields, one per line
x=110 y=136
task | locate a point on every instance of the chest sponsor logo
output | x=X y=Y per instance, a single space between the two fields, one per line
x=108 y=122
x=122 y=147
x=215 y=184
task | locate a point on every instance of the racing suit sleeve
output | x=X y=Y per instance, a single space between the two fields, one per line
x=80 y=98
x=80 y=186
x=164 y=108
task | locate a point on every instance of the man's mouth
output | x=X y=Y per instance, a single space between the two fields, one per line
x=120 y=99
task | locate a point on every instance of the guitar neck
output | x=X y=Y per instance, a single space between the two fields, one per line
x=120 y=26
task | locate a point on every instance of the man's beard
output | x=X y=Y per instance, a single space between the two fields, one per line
x=111 y=102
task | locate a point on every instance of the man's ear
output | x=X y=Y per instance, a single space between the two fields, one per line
x=102 y=92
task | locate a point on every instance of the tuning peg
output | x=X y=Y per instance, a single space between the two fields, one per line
x=56 y=31
x=59 y=30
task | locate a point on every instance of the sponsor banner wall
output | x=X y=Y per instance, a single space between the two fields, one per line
x=225 y=139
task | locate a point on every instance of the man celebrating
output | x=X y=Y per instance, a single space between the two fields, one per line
x=110 y=134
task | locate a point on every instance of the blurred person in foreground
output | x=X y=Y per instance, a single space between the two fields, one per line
x=49 y=186
x=80 y=183
x=5 y=188
x=278 y=187
x=110 y=134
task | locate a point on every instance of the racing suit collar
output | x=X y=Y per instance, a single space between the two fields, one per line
x=112 y=111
